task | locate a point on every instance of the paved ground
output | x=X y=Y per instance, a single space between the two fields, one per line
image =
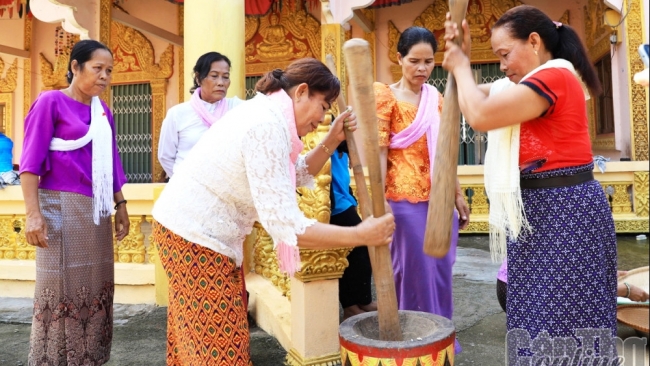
x=139 y=333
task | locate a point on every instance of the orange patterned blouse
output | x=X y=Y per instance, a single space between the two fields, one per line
x=407 y=176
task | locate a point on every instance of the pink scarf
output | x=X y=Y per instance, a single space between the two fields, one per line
x=206 y=117
x=427 y=120
x=288 y=255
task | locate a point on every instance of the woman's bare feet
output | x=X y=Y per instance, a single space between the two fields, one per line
x=370 y=307
x=352 y=311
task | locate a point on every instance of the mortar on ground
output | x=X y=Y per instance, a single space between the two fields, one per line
x=428 y=340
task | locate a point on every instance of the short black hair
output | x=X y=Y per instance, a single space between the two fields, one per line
x=203 y=66
x=415 y=35
x=83 y=51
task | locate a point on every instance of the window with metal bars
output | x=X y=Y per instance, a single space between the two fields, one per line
x=604 y=103
x=133 y=122
x=250 y=85
x=473 y=144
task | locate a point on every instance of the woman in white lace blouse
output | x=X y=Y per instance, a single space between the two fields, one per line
x=246 y=169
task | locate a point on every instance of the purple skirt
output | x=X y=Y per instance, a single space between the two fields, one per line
x=422 y=283
x=562 y=275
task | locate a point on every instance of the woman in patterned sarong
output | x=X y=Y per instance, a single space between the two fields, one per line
x=70 y=145
x=245 y=169
x=409 y=116
x=545 y=206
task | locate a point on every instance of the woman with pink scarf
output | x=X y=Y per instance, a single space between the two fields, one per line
x=185 y=123
x=409 y=118
x=245 y=169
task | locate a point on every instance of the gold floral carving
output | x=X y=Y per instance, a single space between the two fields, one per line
x=54 y=76
x=8 y=83
x=158 y=92
x=638 y=93
x=333 y=40
x=181 y=55
x=27 y=68
x=13 y=244
x=322 y=264
x=595 y=27
x=266 y=262
x=477 y=226
x=105 y=10
x=564 y=19
x=131 y=249
x=632 y=226
x=251 y=25
x=295 y=359
x=620 y=197
x=7 y=237
x=134 y=56
x=315 y=203
x=479 y=201
x=152 y=250
x=641 y=191
x=283 y=36
x=6 y=100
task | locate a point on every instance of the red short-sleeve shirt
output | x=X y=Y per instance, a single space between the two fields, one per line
x=558 y=138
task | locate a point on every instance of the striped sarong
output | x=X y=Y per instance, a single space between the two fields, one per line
x=206 y=317
x=73 y=300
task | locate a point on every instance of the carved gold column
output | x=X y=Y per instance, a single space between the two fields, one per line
x=105 y=9
x=216 y=25
x=181 y=55
x=27 y=68
x=638 y=93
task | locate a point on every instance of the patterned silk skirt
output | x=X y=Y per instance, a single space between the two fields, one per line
x=562 y=275
x=73 y=301
x=206 y=317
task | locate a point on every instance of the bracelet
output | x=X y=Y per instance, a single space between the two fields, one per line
x=328 y=151
x=628 y=290
x=119 y=203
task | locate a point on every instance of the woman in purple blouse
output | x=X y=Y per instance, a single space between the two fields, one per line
x=70 y=173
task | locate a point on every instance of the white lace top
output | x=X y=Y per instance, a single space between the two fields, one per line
x=181 y=129
x=237 y=173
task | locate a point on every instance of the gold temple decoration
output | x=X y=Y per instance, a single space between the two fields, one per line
x=371 y=38
x=105 y=11
x=134 y=56
x=322 y=264
x=134 y=61
x=266 y=263
x=6 y=100
x=8 y=83
x=598 y=46
x=276 y=39
x=295 y=359
x=620 y=200
x=131 y=249
x=638 y=94
x=53 y=76
x=641 y=192
x=27 y=68
x=181 y=55
x=595 y=28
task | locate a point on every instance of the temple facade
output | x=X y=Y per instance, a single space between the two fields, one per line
x=155 y=44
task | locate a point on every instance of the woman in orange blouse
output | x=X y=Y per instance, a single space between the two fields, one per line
x=409 y=117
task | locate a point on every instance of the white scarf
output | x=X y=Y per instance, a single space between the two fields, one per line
x=507 y=218
x=100 y=134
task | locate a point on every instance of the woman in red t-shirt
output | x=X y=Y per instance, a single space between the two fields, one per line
x=545 y=206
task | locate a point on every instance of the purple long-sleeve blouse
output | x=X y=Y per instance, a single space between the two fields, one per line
x=54 y=114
